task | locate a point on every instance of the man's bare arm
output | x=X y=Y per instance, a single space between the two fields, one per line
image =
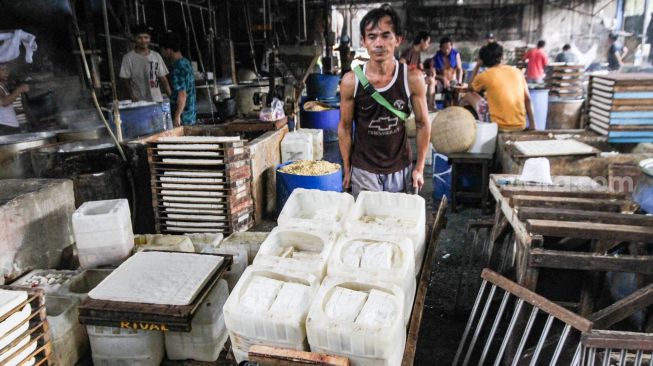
x=347 y=86
x=422 y=123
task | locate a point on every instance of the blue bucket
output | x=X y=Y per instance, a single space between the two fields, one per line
x=324 y=120
x=322 y=86
x=286 y=183
x=441 y=176
x=140 y=121
x=540 y=98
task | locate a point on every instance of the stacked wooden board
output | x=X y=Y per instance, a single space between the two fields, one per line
x=621 y=107
x=201 y=184
x=565 y=80
x=24 y=335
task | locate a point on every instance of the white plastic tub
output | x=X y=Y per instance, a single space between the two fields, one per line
x=297 y=249
x=125 y=347
x=161 y=242
x=315 y=209
x=317 y=136
x=81 y=284
x=68 y=337
x=296 y=146
x=370 y=258
x=52 y=281
x=103 y=232
x=486 y=138
x=250 y=240
x=201 y=241
x=269 y=307
x=239 y=253
x=208 y=332
x=361 y=321
x=392 y=214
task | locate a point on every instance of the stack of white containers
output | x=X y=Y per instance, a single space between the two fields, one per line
x=303 y=144
x=103 y=232
x=368 y=250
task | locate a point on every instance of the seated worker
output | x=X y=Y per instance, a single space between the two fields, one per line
x=446 y=64
x=489 y=38
x=505 y=89
x=412 y=56
x=566 y=56
x=8 y=121
x=537 y=60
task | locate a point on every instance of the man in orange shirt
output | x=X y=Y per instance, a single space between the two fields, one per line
x=505 y=90
x=537 y=59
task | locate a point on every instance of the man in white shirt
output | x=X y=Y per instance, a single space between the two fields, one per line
x=143 y=70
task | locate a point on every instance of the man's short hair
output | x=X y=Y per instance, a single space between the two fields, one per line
x=613 y=36
x=421 y=36
x=171 y=41
x=541 y=43
x=375 y=15
x=445 y=40
x=141 y=29
x=491 y=54
x=566 y=47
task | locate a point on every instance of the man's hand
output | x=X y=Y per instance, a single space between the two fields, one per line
x=176 y=121
x=22 y=88
x=418 y=179
x=346 y=180
x=446 y=83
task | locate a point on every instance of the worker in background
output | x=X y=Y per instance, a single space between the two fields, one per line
x=447 y=64
x=412 y=56
x=379 y=157
x=8 y=121
x=616 y=53
x=143 y=70
x=537 y=60
x=489 y=38
x=505 y=90
x=182 y=98
x=566 y=56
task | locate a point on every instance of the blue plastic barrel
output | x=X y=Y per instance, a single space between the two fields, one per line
x=322 y=86
x=441 y=176
x=286 y=183
x=140 y=121
x=540 y=99
x=324 y=120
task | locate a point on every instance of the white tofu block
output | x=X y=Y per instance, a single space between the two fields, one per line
x=345 y=304
x=379 y=310
x=261 y=293
x=292 y=297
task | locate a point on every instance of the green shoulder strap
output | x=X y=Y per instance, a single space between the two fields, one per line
x=376 y=95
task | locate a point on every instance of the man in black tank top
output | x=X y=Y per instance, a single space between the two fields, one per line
x=378 y=157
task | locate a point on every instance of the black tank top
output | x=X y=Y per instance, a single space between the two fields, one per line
x=380 y=141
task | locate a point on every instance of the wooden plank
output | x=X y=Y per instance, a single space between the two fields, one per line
x=623 y=308
x=266 y=155
x=617 y=340
x=424 y=277
x=585 y=230
x=556 y=214
x=510 y=191
x=592 y=204
x=544 y=304
x=272 y=356
x=590 y=261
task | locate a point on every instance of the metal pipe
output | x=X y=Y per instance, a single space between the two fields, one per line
x=606 y=356
x=477 y=302
x=200 y=59
x=577 y=356
x=511 y=327
x=497 y=319
x=540 y=343
x=525 y=335
x=561 y=343
x=592 y=356
x=622 y=357
x=638 y=357
x=143 y=12
x=265 y=22
x=138 y=18
x=304 y=17
x=165 y=18
x=112 y=74
x=183 y=17
x=481 y=321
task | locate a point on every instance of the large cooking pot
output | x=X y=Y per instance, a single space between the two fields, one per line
x=227 y=108
x=41 y=105
x=85 y=133
x=644 y=191
x=15 y=160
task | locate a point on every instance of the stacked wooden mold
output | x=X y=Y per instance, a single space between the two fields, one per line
x=201 y=184
x=621 y=107
x=24 y=337
x=565 y=80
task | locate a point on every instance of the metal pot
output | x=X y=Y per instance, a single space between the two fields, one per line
x=250 y=98
x=42 y=105
x=644 y=191
x=88 y=133
x=15 y=160
x=227 y=108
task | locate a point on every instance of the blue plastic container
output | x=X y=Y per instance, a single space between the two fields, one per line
x=441 y=176
x=286 y=183
x=540 y=99
x=140 y=121
x=324 y=120
x=322 y=86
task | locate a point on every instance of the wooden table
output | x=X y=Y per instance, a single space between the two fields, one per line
x=576 y=208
